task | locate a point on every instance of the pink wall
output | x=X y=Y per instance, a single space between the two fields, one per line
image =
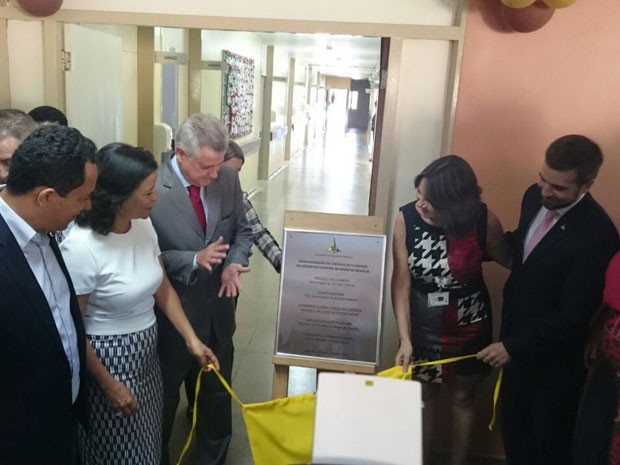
x=520 y=91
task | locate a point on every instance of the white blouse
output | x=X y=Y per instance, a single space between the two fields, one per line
x=121 y=272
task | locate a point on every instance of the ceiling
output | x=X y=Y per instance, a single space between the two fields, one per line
x=356 y=57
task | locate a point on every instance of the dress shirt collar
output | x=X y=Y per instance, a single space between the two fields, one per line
x=560 y=212
x=177 y=171
x=22 y=231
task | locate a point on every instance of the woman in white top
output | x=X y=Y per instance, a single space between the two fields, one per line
x=113 y=258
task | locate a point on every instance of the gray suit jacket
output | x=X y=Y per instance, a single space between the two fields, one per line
x=180 y=237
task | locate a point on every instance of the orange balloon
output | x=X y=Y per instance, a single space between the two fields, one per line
x=559 y=3
x=528 y=19
x=518 y=3
x=40 y=7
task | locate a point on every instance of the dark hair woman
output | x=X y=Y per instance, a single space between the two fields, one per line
x=113 y=258
x=440 y=301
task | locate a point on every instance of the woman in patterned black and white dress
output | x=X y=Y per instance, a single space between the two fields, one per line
x=113 y=258
x=440 y=300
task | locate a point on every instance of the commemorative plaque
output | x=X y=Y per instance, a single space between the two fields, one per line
x=331 y=292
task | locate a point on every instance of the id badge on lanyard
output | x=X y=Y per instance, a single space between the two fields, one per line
x=441 y=297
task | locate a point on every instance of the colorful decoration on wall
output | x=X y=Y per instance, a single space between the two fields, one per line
x=529 y=15
x=238 y=94
x=40 y=7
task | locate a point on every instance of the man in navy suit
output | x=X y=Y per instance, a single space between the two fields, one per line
x=562 y=246
x=42 y=342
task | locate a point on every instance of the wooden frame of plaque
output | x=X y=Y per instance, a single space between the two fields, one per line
x=331 y=294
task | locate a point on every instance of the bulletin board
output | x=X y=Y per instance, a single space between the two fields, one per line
x=238 y=93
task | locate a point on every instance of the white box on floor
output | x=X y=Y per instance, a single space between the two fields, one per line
x=367 y=420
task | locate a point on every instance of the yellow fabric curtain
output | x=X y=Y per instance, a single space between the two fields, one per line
x=280 y=431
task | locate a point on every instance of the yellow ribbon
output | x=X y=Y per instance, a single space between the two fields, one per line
x=195 y=411
x=498 y=384
x=443 y=361
x=194 y=416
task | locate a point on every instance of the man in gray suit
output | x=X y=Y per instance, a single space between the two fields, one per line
x=205 y=242
x=15 y=126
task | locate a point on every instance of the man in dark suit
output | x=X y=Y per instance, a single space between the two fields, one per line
x=42 y=342
x=562 y=246
x=205 y=241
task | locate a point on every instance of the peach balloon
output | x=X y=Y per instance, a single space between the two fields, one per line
x=518 y=3
x=559 y=3
x=528 y=19
x=40 y=7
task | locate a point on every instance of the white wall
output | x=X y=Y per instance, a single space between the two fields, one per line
x=412 y=135
x=25 y=41
x=129 y=37
x=438 y=12
x=280 y=62
x=300 y=118
x=94 y=85
x=211 y=92
x=247 y=44
x=278 y=102
x=247 y=176
x=276 y=154
x=169 y=39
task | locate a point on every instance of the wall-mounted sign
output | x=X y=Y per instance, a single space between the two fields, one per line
x=171 y=58
x=331 y=293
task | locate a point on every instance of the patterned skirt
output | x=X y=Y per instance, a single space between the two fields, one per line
x=115 y=439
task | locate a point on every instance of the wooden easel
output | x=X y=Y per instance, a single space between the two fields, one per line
x=336 y=223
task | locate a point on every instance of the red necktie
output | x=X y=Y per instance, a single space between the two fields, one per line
x=540 y=232
x=194 y=197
